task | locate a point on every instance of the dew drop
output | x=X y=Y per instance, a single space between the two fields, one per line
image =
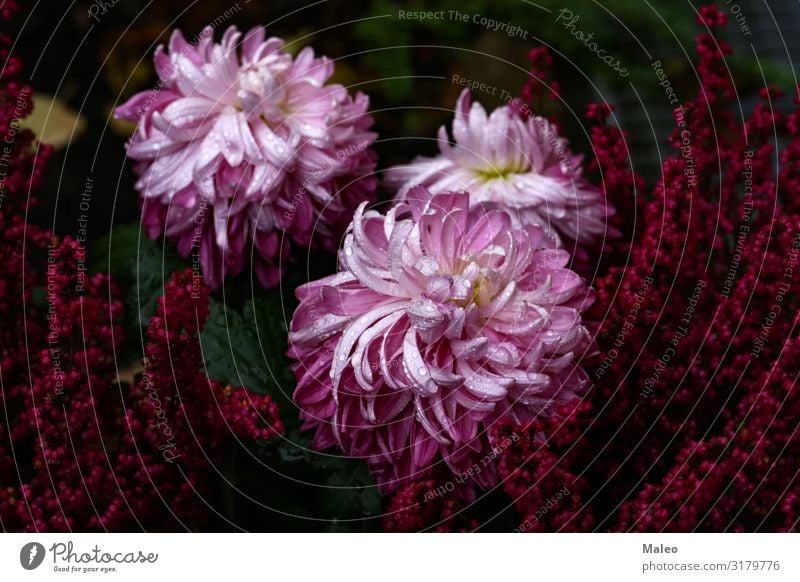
x=422 y=372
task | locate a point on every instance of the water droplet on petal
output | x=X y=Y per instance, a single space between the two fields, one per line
x=422 y=371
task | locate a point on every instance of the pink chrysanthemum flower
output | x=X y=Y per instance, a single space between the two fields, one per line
x=518 y=164
x=442 y=320
x=237 y=146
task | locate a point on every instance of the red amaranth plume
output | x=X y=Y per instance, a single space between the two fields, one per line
x=737 y=480
x=692 y=324
x=123 y=459
x=79 y=450
x=622 y=187
x=427 y=505
x=539 y=87
x=534 y=466
x=681 y=320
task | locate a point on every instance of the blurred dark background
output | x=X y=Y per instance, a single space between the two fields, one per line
x=86 y=57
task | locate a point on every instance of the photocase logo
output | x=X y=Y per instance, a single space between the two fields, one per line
x=31 y=555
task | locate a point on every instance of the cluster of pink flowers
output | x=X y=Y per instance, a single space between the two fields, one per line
x=410 y=354
x=244 y=152
x=450 y=311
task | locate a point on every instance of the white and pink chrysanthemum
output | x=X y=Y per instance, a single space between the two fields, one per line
x=442 y=320
x=515 y=163
x=238 y=145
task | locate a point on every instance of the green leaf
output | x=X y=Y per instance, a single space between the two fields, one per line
x=333 y=488
x=247 y=348
x=144 y=264
x=140 y=266
x=356 y=488
x=39 y=297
